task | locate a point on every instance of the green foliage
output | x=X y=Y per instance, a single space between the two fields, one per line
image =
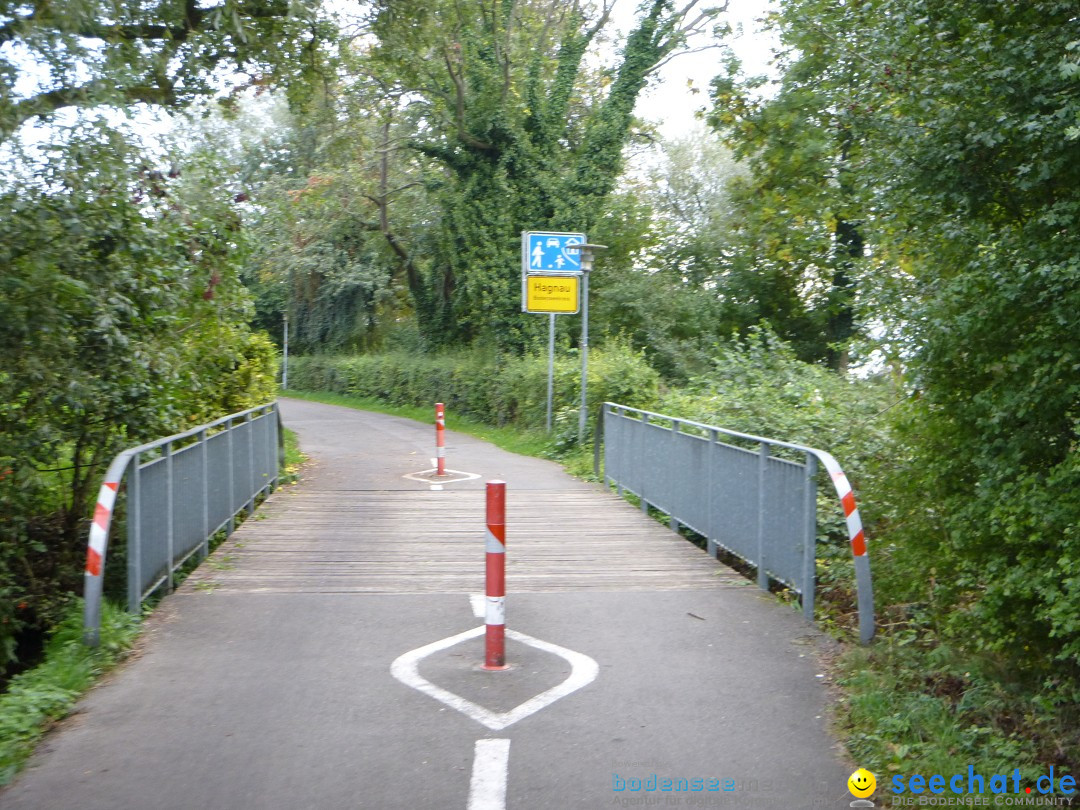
x=319 y=255
x=958 y=165
x=663 y=285
x=993 y=438
x=914 y=708
x=86 y=53
x=121 y=319
x=524 y=141
x=737 y=242
x=38 y=697
x=757 y=385
x=796 y=252
x=293 y=460
x=505 y=391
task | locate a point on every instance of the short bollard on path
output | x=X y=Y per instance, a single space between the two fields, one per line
x=495 y=614
x=440 y=439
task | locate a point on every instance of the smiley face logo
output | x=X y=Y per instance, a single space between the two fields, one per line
x=861 y=783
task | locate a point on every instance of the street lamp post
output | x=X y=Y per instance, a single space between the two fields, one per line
x=586 y=268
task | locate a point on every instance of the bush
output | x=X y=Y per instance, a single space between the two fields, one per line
x=501 y=390
x=122 y=319
x=758 y=386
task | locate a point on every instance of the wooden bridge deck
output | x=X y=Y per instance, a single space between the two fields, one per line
x=395 y=541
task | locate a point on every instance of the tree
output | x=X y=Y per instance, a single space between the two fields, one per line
x=958 y=123
x=503 y=102
x=976 y=157
x=690 y=190
x=84 y=54
x=801 y=210
x=333 y=196
x=121 y=319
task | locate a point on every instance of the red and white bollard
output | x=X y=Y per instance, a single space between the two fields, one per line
x=495 y=612
x=440 y=439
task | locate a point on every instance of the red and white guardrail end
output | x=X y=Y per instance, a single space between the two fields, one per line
x=851 y=512
x=99 y=529
x=864 y=586
x=495 y=590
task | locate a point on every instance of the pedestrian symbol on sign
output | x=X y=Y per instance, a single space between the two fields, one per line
x=550 y=252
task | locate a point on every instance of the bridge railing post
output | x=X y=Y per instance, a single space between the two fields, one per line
x=809 y=577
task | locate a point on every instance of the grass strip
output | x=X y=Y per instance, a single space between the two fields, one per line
x=294 y=459
x=922 y=708
x=39 y=697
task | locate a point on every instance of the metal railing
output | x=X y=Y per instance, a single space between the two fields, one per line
x=759 y=506
x=181 y=490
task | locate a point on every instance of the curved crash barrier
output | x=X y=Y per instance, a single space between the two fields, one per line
x=738 y=494
x=179 y=492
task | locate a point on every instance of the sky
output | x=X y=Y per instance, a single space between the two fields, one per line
x=670 y=100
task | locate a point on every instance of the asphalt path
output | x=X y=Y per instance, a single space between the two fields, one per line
x=302 y=695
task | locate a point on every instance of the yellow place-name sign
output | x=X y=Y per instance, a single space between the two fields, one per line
x=559 y=294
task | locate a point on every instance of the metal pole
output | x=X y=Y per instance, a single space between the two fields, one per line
x=713 y=531
x=495 y=613
x=638 y=460
x=586 y=266
x=170 y=503
x=204 y=450
x=584 y=350
x=763 y=461
x=551 y=369
x=253 y=486
x=233 y=508
x=134 y=536
x=95 y=560
x=285 y=359
x=809 y=576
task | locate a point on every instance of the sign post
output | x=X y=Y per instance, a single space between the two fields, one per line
x=551 y=267
x=285 y=357
x=551 y=368
x=586 y=252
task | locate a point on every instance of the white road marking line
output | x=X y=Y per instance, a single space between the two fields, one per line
x=487 y=788
x=479 y=605
x=583 y=671
x=436 y=487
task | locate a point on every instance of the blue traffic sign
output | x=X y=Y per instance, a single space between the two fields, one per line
x=550 y=252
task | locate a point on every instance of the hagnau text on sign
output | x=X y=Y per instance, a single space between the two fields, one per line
x=552 y=293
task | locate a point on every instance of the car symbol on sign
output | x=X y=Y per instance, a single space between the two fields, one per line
x=552 y=242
